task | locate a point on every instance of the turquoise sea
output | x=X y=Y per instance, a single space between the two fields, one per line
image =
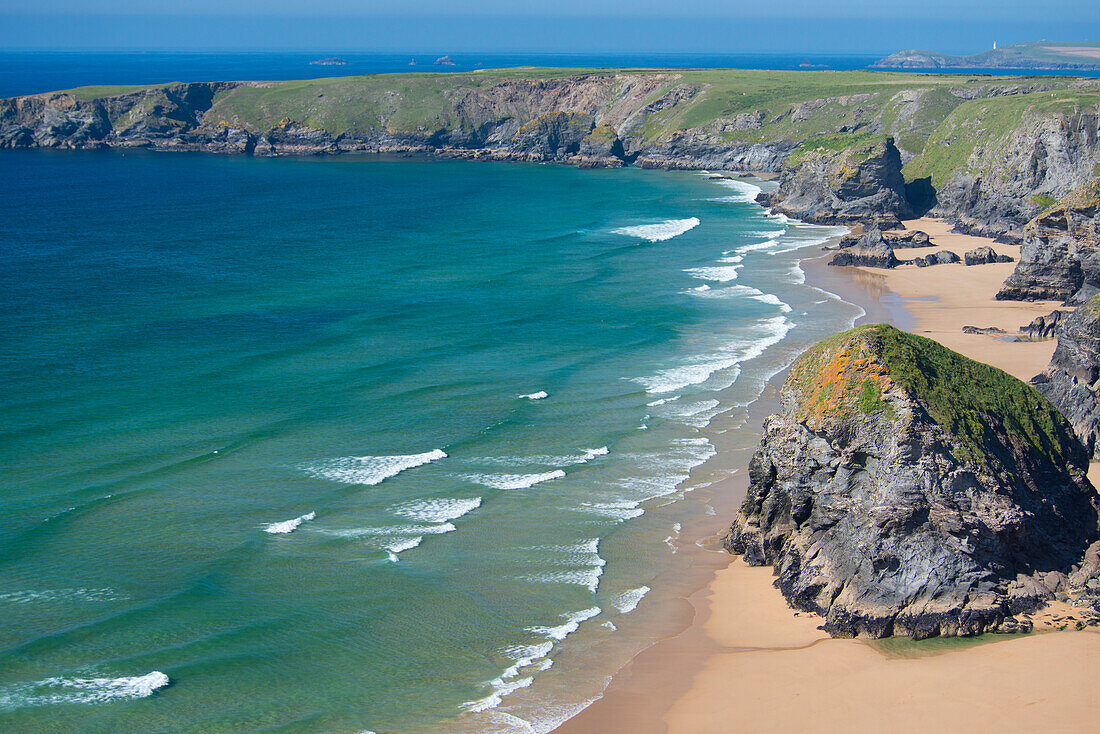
x=356 y=444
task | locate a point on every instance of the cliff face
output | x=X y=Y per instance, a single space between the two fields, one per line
x=907 y=490
x=1003 y=182
x=1061 y=251
x=980 y=150
x=860 y=183
x=1072 y=380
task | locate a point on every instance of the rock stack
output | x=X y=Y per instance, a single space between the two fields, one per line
x=907 y=490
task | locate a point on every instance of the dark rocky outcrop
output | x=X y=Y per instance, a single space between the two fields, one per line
x=907 y=490
x=908 y=238
x=860 y=183
x=1044 y=327
x=1005 y=182
x=984 y=330
x=943 y=257
x=1072 y=380
x=984 y=255
x=553 y=135
x=871 y=249
x=1061 y=251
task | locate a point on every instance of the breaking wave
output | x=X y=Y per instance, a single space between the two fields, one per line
x=370 y=470
x=61 y=690
x=514 y=481
x=660 y=231
x=289 y=526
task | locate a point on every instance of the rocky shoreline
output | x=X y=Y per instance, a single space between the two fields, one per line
x=889 y=497
x=843 y=155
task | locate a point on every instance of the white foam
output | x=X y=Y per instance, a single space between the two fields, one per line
x=746 y=192
x=773 y=300
x=62 y=690
x=28 y=596
x=370 y=470
x=535 y=395
x=766 y=244
x=289 y=526
x=663 y=401
x=514 y=481
x=391 y=531
x=501 y=688
x=584 y=457
x=660 y=231
x=589 y=577
x=715 y=273
x=573 y=623
x=768 y=332
x=403 y=545
x=628 y=601
x=620 y=510
x=675 y=534
x=440 y=510
x=797 y=274
x=698 y=414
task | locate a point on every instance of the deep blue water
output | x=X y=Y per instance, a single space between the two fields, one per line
x=25 y=72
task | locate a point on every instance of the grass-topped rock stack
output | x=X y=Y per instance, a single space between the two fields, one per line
x=907 y=490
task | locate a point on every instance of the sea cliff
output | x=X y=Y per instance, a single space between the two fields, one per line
x=907 y=490
x=976 y=150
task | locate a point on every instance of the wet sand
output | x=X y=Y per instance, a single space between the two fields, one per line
x=749 y=663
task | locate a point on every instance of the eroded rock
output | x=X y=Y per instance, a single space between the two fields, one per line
x=907 y=490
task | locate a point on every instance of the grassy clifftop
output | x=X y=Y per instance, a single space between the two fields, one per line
x=858 y=371
x=936 y=120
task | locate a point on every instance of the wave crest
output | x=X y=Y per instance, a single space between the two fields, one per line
x=370 y=470
x=660 y=231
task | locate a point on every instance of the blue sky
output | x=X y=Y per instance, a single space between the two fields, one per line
x=578 y=26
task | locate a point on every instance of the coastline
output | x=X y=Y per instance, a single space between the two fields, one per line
x=749 y=658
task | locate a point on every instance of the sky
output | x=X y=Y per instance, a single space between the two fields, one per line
x=561 y=26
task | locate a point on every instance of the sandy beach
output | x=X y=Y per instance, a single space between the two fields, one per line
x=749 y=663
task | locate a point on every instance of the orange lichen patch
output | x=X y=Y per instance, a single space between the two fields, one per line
x=838 y=380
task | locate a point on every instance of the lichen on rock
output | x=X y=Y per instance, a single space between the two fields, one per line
x=907 y=490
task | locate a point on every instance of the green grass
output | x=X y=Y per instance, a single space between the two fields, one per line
x=108 y=90
x=857 y=146
x=1044 y=200
x=871 y=400
x=963 y=396
x=932 y=123
x=988 y=123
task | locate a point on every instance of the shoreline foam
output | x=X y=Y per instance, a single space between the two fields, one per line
x=749 y=658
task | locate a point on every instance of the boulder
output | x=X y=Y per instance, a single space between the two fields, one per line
x=907 y=490
x=984 y=256
x=870 y=249
x=908 y=238
x=943 y=257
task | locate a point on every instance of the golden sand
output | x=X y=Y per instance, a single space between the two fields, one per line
x=750 y=664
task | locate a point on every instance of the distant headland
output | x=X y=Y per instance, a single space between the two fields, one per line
x=1033 y=55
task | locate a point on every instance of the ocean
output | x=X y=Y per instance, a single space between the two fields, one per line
x=31 y=72
x=362 y=444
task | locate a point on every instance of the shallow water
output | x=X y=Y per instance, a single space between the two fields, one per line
x=362 y=444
